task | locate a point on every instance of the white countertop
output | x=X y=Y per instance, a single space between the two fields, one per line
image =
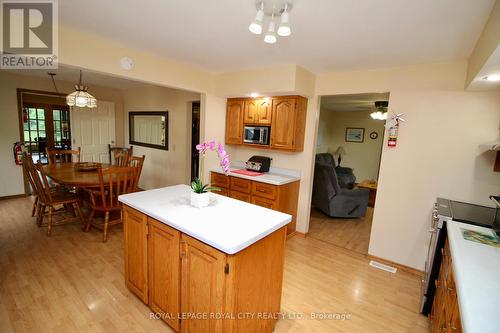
x=227 y=224
x=476 y=269
x=275 y=176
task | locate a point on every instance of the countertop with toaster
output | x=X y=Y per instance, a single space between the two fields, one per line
x=476 y=269
x=275 y=176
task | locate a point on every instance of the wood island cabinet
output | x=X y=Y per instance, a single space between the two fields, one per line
x=283 y=198
x=445 y=314
x=195 y=287
x=286 y=117
x=163 y=272
x=136 y=250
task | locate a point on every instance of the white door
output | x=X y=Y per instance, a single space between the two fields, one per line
x=93 y=130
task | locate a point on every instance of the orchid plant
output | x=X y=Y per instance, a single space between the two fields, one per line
x=197 y=185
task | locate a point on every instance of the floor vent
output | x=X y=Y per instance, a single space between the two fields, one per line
x=383 y=267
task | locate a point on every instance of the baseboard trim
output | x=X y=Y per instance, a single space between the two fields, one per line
x=296 y=233
x=15 y=196
x=404 y=268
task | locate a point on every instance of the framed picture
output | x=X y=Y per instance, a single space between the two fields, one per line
x=354 y=134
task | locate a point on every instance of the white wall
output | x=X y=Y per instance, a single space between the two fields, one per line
x=437 y=154
x=171 y=167
x=11 y=177
x=363 y=157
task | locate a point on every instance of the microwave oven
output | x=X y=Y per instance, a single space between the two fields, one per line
x=256 y=135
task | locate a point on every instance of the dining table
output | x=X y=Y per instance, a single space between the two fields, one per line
x=69 y=175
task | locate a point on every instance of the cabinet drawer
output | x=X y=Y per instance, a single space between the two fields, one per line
x=240 y=196
x=264 y=190
x=271 y=204
x=219 y=180
x=241 y=185
x=223 y=192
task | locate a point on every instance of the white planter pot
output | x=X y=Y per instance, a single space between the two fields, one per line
x=200 y=200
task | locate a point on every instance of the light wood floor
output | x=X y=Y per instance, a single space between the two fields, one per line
x=72 y=282
x=351 y=234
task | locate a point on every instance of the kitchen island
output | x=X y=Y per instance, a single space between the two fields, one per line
x=214 y=269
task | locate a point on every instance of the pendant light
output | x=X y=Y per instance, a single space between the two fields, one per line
x=80 y=97
x=256 y=26
x=284 y=28
x=270 y=36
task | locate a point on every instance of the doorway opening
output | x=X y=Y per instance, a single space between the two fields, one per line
x=44 y=123
x=348 y=151
x=195 y=139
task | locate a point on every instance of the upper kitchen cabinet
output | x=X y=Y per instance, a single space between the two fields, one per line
x=258 y=111
x=288 y=123
x=285 y=115
x=234 y=121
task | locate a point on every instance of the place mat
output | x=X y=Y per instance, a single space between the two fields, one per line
x=247 y=172
x=480 y=237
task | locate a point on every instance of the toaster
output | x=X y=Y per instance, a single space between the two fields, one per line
x=258 y=163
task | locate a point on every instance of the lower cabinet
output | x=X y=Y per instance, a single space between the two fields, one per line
x=283 y=198
x=445 y=314
x=164 y=271
x=203 y=280
x=194 y=287
x=136 y=252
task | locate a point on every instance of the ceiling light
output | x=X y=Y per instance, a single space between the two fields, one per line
x=254 y=95
x=284 y=28
x=80 y=97
x=256 y=26
x=270 y=36
x=492 y=78
x=272 y=8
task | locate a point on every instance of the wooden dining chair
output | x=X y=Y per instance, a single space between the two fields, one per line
x=137 y=162
x=57 y=202
x=28 y=170
x=63 y=156
x=113 y=181
x=119 y=156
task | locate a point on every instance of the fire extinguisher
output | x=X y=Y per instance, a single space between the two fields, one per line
x=392 y=129
x=18 y=151
x=393 y=135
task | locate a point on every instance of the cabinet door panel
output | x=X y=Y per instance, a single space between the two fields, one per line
x=283 y=131
x=135 y=234
x=265 y=112
x=251 y=115
x=164 y=271
x=234 y=122
x=202 y=285
x=258 y=111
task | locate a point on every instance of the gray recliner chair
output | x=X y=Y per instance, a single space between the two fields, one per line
x=334 y=201
x=345 y=175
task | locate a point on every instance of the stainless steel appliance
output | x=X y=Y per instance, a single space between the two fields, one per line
x=448 y=210
x=256 y=135
x=258 y=163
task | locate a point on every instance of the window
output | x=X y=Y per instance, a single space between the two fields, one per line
x=45 y=126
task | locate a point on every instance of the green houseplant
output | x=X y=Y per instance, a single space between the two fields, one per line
x=200 y=196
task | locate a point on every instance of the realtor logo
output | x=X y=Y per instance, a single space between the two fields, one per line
x=29 y=34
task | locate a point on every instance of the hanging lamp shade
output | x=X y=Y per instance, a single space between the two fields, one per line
x=80 y=97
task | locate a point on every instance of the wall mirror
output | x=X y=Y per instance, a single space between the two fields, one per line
x=149 y=129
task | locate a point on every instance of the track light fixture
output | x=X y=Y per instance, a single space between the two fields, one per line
x=272 y=9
